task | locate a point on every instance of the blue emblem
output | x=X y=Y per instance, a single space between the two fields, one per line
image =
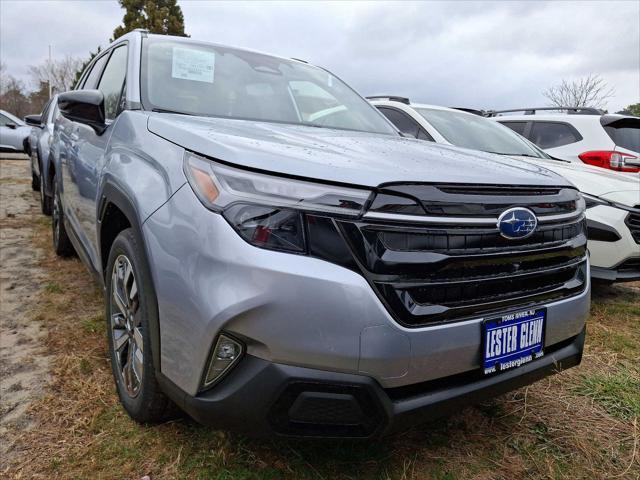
x=517 y=223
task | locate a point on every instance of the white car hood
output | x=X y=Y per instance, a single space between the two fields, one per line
x=599 y=182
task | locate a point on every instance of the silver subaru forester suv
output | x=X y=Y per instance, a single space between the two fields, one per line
x=277 y=258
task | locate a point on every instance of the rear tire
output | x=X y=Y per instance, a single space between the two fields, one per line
x=35 y=181
x=61 y=243
x=45 y=200
x=131 y=306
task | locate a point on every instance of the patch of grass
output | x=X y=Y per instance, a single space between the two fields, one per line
x=44 y=221
x=618 y=392
x=85 y=366
x=53 y=288
x=94 y=324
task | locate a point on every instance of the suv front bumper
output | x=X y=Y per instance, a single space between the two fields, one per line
x=261 y=397
x=617 y=258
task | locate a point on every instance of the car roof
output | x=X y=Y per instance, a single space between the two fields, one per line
x=551 y=117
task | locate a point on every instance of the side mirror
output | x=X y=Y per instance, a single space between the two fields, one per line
x=11 y=125
x=34 y=120
x=84 y=106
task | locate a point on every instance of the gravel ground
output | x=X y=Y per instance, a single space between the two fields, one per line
x=23 y=359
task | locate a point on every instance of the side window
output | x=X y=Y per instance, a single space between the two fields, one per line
x=517 y=127
x=423 y=135
x=402 y=122
x=112 y=81
x=4 y=121
x=94 y=75
x=553 y=134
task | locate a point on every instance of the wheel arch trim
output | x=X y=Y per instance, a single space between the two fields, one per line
x=114 y=195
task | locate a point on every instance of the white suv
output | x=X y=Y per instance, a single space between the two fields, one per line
x=579 y=135
x=613 y=200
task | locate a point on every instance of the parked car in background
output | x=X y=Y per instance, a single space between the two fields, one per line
x=276 y=258
x=586 y=135
x=13 y=133
x=613 y=200
x=39 y=146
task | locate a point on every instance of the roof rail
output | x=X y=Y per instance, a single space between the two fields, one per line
x=532 y=111
x=481 y=113
x=392 y=98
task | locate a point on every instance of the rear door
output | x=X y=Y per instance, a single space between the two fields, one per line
x=86 y=156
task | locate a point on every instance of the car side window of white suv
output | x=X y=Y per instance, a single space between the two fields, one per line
x=551 y=134
x=405 y=124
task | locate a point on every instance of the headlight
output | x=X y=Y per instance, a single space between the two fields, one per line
x=266 y=210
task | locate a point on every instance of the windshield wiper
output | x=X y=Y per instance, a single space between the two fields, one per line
x=530 y=156
x=163 y=110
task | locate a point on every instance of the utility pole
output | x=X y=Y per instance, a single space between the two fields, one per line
x=49 y=72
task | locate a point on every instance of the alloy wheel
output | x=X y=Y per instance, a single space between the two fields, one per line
x=126 y=326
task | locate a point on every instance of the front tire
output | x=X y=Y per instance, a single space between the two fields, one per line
x=61 y=243
x=131 y=306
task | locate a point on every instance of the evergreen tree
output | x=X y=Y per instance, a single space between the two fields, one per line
x=157 y=16
x=633 y=109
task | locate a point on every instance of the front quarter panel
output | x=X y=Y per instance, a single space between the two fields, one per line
x=142 y=167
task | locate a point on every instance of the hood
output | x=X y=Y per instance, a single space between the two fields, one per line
x=595 y=181
x=356 y=158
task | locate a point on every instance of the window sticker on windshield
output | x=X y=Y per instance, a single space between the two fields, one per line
x=192 y=64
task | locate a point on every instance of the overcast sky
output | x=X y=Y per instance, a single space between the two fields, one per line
x=476 y=54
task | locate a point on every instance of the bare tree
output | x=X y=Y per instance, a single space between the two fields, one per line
x=590 y=91
x=61 y=73
x=12 y=96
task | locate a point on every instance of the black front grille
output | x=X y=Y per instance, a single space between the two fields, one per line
x=434 y=273
x=310 y=409
x=633 y=222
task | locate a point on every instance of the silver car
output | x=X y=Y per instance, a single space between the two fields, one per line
x=39 y=142
x=13 y=133
x=277 y=259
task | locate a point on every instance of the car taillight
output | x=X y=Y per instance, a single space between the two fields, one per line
x=622 y=162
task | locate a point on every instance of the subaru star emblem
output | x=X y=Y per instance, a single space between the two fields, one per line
x=517 y=223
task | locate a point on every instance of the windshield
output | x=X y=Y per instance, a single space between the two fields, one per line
x=478 y=133
x=11 y=119
x=200 y=79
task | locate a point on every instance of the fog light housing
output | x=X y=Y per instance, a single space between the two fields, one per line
x=225 y=354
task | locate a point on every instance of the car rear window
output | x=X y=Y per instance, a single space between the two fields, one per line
x=517 y=127
x=625 y=133
x=553 y=134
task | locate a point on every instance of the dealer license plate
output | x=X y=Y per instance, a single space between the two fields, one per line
x=512 y=340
